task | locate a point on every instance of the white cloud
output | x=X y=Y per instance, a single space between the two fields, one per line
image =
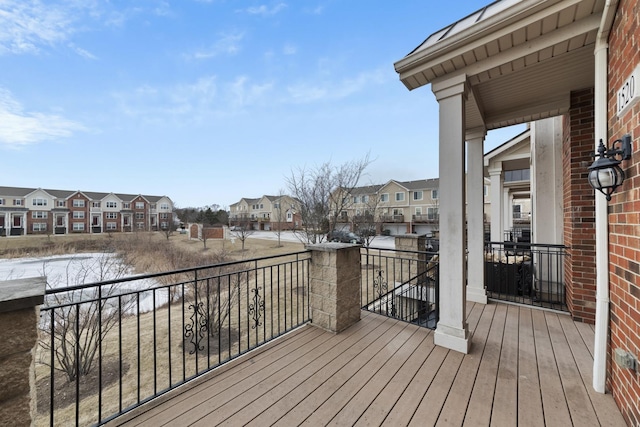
x=193 y=102
x=27 y=25
x=289 y=49
x=229 y=44
x=19 y=128
x=307 y=92
x=265 y=10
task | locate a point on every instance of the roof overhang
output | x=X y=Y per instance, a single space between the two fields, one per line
x=521 y=59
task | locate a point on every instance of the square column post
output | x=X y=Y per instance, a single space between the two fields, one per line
x=497 y=223
x=475 y=217
x=19 y=314
x=452 y=331
x=335 y=279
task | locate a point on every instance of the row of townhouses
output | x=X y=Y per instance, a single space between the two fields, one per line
x=44 y=211
x=266 y=213
x=394 y=208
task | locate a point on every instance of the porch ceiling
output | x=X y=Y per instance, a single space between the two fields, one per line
x=521 y=58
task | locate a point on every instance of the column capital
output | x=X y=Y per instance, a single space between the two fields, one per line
x=446 y=88
x=476 y=134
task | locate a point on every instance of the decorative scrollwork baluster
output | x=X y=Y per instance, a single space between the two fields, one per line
x=198 y=327
x=380 y=284
x=256 y=308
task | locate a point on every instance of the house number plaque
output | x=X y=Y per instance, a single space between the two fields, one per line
x=629 y=93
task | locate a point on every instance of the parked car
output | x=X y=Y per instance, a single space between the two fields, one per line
x=344 y=237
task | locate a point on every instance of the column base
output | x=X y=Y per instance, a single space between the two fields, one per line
x=452 y=338
x=477 y=295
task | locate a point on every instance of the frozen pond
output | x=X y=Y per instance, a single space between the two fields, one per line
x=79 y=269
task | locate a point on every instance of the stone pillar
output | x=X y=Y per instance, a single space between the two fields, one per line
x=19 y=316
x=335 y=281
x=413 y=243
x=452 y=331
x=475 y=216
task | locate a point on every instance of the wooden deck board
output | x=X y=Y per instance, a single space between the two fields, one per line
x=481 y=401
x=529 y=399
x=526 y=367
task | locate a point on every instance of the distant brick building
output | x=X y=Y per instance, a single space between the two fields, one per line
x=44 y=211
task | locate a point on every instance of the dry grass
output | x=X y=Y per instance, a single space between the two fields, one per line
x=161 y=340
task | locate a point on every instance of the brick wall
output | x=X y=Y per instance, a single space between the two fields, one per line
x=624 y=216
x=579 y=207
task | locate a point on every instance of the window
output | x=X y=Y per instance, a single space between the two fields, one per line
x=276 y=205
x=112 y=215
x=432 y=213
x=486 y=190
x=365 y=199
x=417 y=195
x=164 y=206
x=399 y=197
x=164 y=216
x=39 y=202
x=418 y=211
x=434 y=194
x=95 y=204
x=164 y=225
x=289 y=216
x=153 y=206
x=39 y=226
x=78 y=203
x=78 y=226
x=384 y=197
x=397 y=212
x=355 y=199
x=61 y=203
x=126 y=205
x=517 y=211
x=112 y=205
x=39 y=215
x=516 y=175
x=17 y=202
x=1 y=201
x=112 y=226
x=139 y=215
x=140 y=225
x=261 y=206
x=78 y=214
x=139 y=205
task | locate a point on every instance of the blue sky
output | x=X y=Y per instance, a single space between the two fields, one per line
x=210 y=101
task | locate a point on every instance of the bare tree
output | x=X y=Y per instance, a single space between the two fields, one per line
x=78 y=321
x=321 y=192
x=279 y=216
x=366 y=222
x=242 y=230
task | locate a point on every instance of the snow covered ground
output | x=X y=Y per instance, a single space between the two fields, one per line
x=383 y=242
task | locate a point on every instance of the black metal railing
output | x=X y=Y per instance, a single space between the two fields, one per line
x=401 y=284
x=110 y=346
x=526 y=273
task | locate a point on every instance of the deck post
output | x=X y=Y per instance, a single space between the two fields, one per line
x=452 y=331
x=20 y=302
x=335 y=277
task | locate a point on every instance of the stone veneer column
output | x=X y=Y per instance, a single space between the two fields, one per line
x=335 y=280
x=19 y=307
x=404 y=263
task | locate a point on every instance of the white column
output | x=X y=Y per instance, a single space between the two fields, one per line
x=451 y=331
x=497 y=224
x=507 y=205
x=475 y=216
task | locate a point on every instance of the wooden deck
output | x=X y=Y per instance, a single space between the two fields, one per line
x=526 y=367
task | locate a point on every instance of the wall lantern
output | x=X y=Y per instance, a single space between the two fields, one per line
x=605 y=174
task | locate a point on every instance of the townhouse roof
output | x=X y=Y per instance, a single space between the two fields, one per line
x=368 y=189
x=63 y=194
x=419 y=184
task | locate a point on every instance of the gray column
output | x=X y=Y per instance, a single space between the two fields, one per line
x=497 y=225
x=451 y=331
x=475 y=216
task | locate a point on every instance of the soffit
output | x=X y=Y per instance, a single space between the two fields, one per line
x=521 y=62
